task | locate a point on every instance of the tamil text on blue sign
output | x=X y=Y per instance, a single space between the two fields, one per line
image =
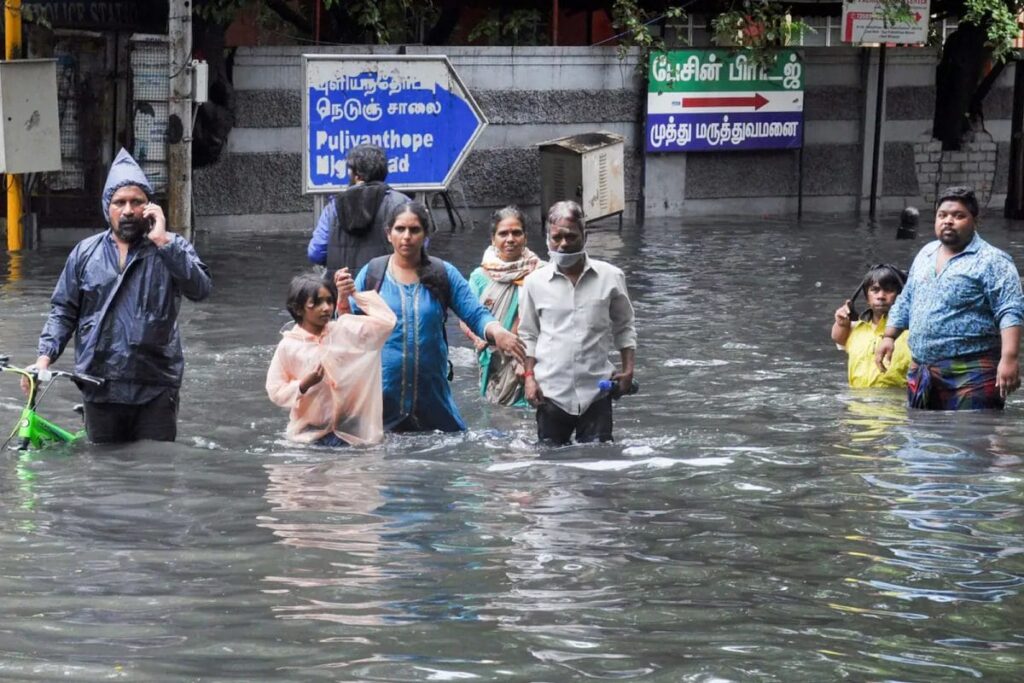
x=415 y=107
x=709 y=100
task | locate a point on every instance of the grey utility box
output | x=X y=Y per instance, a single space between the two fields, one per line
x=586 y=168
x=29 y=118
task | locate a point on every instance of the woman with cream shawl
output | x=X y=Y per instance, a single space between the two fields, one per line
x=496 y=283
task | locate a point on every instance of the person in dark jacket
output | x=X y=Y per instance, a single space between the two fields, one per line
x=119 y=295
x=352 y=228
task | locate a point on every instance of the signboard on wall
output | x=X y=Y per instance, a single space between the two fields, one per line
x=101 y=15
x=863 y=23
x=713 y=100
x=414 y=106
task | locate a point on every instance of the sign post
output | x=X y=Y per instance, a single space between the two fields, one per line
x=414 y=106
x=863 y=23
x=712 y=100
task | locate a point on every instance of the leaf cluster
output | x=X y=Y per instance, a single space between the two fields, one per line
x=896 y=12
x=365 y=21
x=999 y=19
x=759 y=27
x=634 y=21
x=518 y=27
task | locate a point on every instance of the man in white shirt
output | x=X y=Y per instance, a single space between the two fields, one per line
x=573 y=312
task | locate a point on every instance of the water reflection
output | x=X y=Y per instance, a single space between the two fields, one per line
x=327 y=506
x=871 y=415
x=945 y=531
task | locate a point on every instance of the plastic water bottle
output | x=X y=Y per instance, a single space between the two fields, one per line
x=611 y=387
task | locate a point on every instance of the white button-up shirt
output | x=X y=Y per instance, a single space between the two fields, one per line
x=570 y=330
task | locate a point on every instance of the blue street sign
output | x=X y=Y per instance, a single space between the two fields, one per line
x=415 y=107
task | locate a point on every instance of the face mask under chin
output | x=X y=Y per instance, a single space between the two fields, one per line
x=567 y=260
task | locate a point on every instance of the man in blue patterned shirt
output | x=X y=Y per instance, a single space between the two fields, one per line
x=963 y=306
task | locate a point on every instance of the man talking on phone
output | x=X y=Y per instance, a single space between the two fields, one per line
x=119 y=295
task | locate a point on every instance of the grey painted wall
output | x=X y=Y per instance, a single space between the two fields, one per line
x=535 y=94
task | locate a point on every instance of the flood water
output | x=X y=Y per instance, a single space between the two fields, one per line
x=756 y=519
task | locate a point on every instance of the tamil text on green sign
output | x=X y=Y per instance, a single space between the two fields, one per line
x=707 y=100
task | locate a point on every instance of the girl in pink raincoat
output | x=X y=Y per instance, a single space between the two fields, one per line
x=327 y=371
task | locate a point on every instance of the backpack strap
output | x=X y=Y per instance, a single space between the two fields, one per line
x=437 y=268
x=375 y=271
x=377 y=267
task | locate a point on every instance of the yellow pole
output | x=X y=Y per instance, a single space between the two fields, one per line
x=12 y=50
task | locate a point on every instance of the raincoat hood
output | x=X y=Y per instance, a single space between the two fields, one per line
x=124 y=171
x=358 y=205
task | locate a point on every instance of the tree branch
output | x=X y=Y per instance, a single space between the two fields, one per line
x=283 y=10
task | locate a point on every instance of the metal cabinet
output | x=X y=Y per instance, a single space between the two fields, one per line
x=586 y=168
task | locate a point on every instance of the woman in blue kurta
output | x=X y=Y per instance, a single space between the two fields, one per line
x=417 y=396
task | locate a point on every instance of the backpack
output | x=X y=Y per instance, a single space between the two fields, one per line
x=378 y=266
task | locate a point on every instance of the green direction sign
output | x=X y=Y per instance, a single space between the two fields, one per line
x=709 y=100
x=723 y=71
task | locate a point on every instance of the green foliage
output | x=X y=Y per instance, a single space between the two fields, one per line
x=519 y=27
x=896 y=12
x=759 y=26
x=999 y=19
x=220 y=11
x=371 y=21
x=380 y=21
x=634 y=22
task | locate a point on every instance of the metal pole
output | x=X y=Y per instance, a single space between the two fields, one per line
x=876 y=148
x=554 y=22
x=641 y=136
x=12 y=50
x=179 y=147
x=1014 y=207
x=800 y=181
x=800 y=172
x=316 y=22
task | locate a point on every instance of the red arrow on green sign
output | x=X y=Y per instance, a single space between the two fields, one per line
x=757 y=101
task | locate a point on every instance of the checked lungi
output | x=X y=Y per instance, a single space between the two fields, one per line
x=963 y=383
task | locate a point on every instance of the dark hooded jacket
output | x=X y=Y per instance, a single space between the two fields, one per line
x=124 y=322
x=358 y=231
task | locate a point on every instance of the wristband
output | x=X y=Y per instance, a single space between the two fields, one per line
x=890 y=336
x=528 y=373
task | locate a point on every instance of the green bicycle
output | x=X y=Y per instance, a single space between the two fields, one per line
x=33 y=430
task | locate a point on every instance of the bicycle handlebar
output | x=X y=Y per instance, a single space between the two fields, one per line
x=47 y=374
x=78 y=377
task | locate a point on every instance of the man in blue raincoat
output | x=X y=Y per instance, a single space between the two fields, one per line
x=119 y=294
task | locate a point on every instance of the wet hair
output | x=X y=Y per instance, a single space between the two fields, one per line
x=962 y=194
x=888 y=277
x=909 y=218
x=306 y=287
x=568 y=210
x=369 y=162
x=510 y=211
x=428 y=278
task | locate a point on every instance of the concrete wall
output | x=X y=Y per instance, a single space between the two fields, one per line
x=529 y=95
x=534 y=94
